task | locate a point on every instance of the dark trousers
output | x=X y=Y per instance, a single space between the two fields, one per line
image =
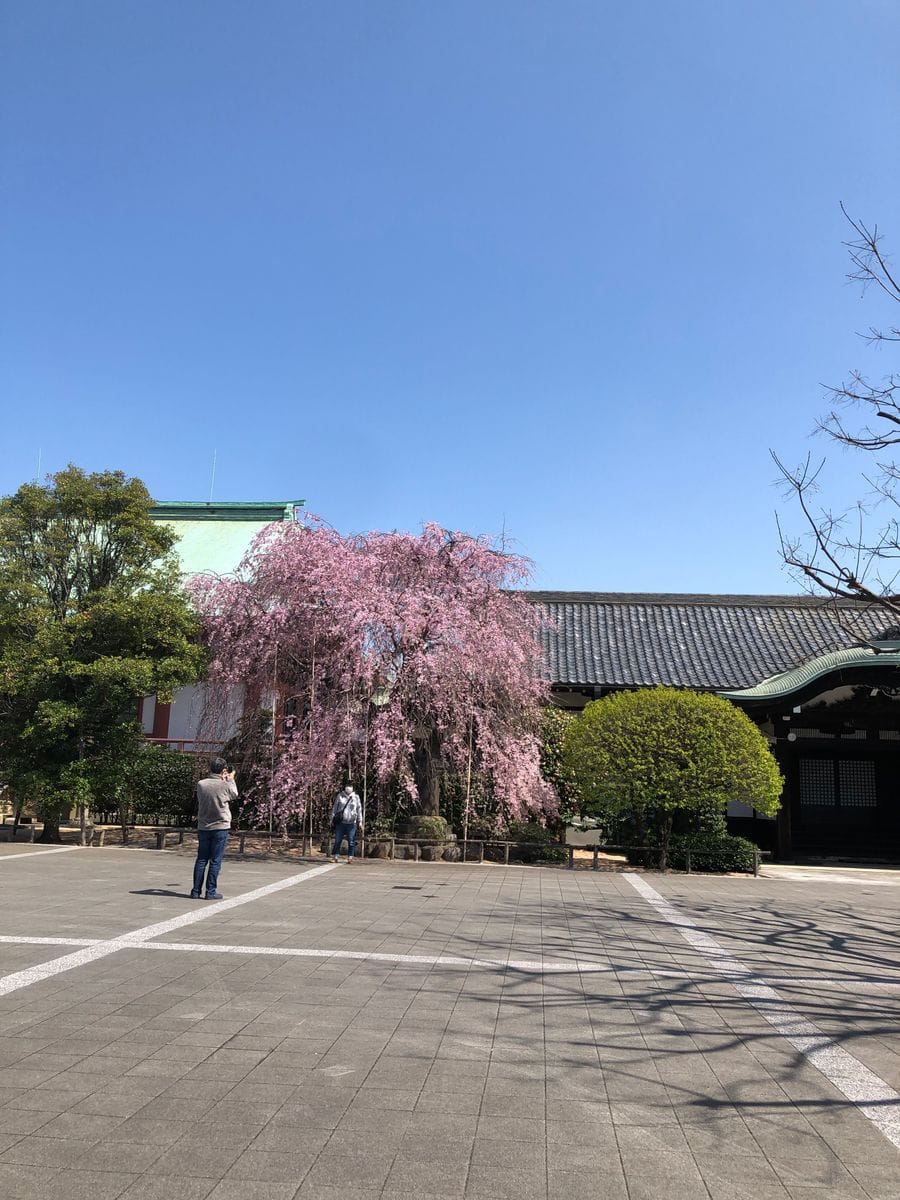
x=345 y=829
x=210 y=852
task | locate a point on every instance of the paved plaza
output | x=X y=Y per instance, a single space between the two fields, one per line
x=404 y=1030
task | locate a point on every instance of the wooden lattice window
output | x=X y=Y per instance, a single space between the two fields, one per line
x=858 y=788
x=838 y=783
x=817 y=782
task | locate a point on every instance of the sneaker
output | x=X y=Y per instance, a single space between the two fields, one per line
x=334 y=858
x=195 y=895
x=214 y=896
x=349 y=860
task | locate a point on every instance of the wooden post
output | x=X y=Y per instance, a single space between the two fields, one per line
x=571 y=858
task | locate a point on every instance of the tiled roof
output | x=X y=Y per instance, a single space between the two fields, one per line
x=718 y=642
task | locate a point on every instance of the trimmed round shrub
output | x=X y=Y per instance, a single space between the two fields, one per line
x=712 y=853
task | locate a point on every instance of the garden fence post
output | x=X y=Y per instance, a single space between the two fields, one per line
x=571 y=858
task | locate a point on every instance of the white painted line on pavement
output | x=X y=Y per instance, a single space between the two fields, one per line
x=80 y=958
x=35 y=853
x=806 y=877
x=874 y=1098
x=434 y=960
x=578 y=966
x=20 y=940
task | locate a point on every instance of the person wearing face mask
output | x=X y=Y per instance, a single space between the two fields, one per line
x=346 y=815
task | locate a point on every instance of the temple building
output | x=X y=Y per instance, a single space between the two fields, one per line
x=820 y=678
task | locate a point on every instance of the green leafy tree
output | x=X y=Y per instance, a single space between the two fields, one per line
x=92 y=617
x=652 y=755
x=555 y=724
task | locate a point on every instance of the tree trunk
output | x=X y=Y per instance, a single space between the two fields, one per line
x=123 y=820
x=427 y=769
x=50 y=832
x=665 y=836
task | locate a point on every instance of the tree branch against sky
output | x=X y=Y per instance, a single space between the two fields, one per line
x=853 y=552
x=404 y=648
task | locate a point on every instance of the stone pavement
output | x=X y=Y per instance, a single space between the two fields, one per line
x=415 y=1030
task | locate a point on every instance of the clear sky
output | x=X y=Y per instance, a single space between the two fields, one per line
x=566 y=268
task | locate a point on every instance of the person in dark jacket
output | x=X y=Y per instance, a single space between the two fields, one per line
x=214 y=795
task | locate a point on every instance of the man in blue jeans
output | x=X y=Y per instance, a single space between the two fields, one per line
x=346 y=814
x=213 y=823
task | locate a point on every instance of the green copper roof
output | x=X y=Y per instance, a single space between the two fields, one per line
x=214 y=537
x=777 y=686
x=226 y=510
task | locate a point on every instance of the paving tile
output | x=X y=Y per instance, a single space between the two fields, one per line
x=20 y=1181
x=657 y=1188
x=365 y=1171
x=423 y=1178
x=46 y=1100
x=19 y=1121
x=168 y=1187
x=273 y=1166
x=510 y=1129
x=81 y=1126
x=36 y=1150
x=98 y=1185
x=880 y=1180
x=244 y=1189
x=334 y=1191
x=503 y=1183
x=851 y=1191
x=120 y=1156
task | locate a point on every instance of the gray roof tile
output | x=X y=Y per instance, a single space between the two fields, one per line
x=720 y=642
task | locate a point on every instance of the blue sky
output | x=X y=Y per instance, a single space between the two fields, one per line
x=563 y=268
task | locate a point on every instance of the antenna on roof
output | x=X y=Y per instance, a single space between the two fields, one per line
x=212 y=482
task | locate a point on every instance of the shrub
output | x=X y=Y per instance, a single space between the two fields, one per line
x=663 y=757
x=159 y=785
x=713 y=853
x=432 y=829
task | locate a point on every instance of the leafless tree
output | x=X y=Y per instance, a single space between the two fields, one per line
x=854 y=554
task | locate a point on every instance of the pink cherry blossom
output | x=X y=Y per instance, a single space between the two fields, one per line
x=410 y=650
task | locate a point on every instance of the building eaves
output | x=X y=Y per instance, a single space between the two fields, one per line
x=609 y=640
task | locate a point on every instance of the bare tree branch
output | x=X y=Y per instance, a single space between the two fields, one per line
x=853 y=556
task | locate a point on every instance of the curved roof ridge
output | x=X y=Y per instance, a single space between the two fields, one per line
x=786 y=682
